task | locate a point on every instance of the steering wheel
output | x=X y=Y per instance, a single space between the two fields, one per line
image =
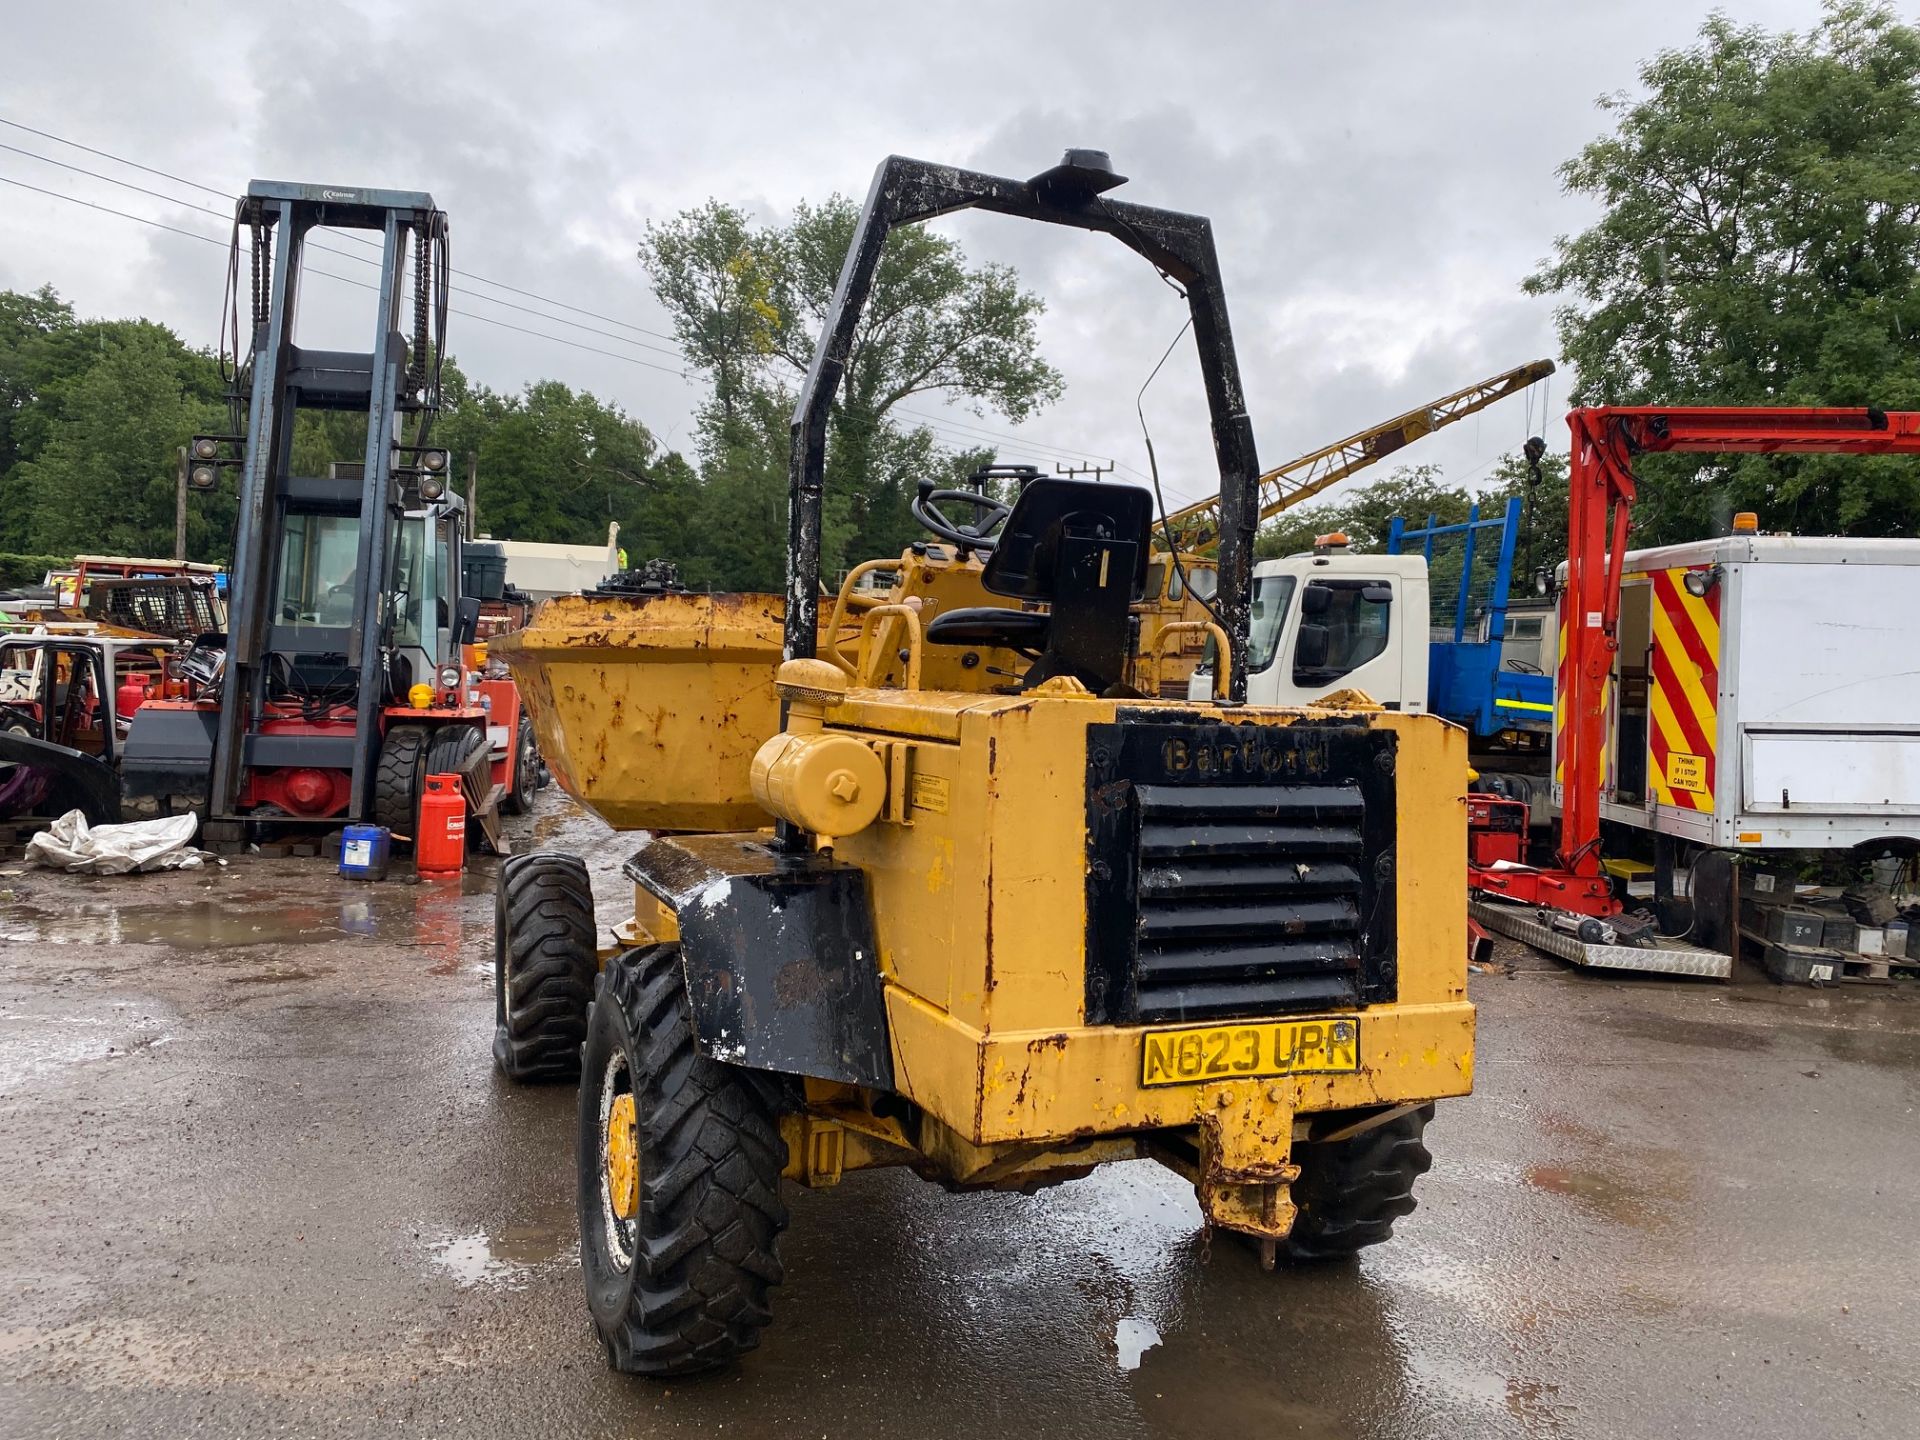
x=1524 y=667
x=990 y=514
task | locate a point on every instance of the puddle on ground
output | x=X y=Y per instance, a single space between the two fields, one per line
x=507 y=1258
x=436 y=916
x=1692 y=1030
x=1630 y=1196
x=38 y=1046
x=277 y=977
x=1133 y=1336
x=192 y=925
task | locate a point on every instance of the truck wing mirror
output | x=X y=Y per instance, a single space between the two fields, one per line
x=1315 y=600
x=1310 y=647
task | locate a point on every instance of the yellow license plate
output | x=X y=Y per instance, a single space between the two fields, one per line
x=1229 y=1052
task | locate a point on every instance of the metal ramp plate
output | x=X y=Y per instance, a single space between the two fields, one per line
x=1525 y=925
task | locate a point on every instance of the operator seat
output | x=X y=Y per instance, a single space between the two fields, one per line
x=1079 y=548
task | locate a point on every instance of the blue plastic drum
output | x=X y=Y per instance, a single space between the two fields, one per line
x=364 y=850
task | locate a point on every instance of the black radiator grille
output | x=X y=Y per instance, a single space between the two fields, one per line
x=1249 y=899
x=1212 y=899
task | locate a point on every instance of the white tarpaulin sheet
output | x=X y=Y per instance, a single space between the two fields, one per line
x=72 y=844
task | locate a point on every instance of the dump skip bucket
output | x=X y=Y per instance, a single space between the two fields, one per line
x=648 y=708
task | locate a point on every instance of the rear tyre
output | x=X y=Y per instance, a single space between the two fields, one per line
x=447 y=754
x=1350 y=1192
x=543 y=966
x=396 y=780
x=679 y=1162
x=451 y=747
x=526 y=772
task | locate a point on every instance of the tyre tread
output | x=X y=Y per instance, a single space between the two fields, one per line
x=711 y=1157
x=545 y=966
x=1350 y=1193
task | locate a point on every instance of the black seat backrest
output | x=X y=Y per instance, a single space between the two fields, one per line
x=1081 y=548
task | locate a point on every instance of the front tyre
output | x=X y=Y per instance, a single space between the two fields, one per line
x=1351 y=1191
x=544 y=962
x=679 y=1160
x=526 y=771
x=396 y=779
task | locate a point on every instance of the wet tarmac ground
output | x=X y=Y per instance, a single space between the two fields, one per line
x=257 y=1177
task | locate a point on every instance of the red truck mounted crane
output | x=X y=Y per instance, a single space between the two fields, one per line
x=1606 y=439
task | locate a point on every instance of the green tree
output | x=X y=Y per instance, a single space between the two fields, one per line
x=1366 y=511
x=102 y=476
x=709 y=267
x=30 y=327
x=748 y=304
x=1760 y=246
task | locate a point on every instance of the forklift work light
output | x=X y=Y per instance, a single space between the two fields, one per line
x=432 y=487
x=205 y=448
x=202 y=477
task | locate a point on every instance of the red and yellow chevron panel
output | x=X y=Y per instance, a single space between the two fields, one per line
x=1684 y=698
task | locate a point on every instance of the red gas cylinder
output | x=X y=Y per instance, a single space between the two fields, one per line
x=131 y=695
x=441 y=846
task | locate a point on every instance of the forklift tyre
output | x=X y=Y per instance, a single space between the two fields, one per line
x=679 y=1160
x=447 y=754
x=543 y=966
x=1351 y=1191
x=451 y=747
x=518 y=799
x=396 y=780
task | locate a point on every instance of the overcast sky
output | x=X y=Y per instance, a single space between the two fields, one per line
x=1380 y=175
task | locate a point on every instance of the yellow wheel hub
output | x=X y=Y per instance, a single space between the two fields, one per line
x=622 y=1156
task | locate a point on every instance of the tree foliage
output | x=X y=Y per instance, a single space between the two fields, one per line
x=92 y=412
x=748 y=303
x=1760 y=246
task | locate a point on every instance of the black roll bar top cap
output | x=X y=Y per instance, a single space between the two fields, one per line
x=1080 y=175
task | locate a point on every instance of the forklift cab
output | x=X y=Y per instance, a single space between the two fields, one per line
x=318 y=581
x=424 y=610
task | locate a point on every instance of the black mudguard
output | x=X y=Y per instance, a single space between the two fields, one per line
x=167 y=752
x=78 y=781
x=783 y=972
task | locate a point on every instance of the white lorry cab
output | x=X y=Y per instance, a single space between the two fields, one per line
x=1334 y=620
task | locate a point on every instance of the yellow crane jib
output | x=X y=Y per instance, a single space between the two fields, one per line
x=1196 y=529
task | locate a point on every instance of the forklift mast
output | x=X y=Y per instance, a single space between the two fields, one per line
x=332 y=654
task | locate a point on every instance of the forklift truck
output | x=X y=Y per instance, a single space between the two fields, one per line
x=341 y=680
x=1000 y=928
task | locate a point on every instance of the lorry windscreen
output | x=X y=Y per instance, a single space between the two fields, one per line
x=1272 y=594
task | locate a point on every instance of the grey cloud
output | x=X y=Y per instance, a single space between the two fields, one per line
x=1380 y=177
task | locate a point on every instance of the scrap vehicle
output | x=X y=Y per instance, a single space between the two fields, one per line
x=132 y=596
x=182 y=607
x=1729 y=700
x=68 y=693
x=977 y=909
x=346 y=674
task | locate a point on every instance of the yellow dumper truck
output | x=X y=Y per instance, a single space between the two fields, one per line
x=924 y=881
